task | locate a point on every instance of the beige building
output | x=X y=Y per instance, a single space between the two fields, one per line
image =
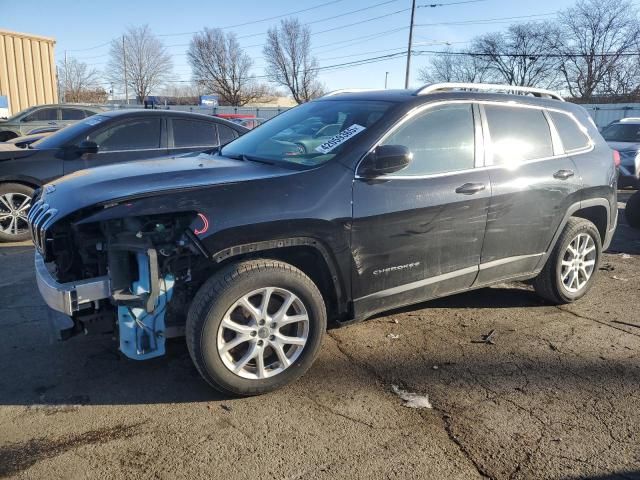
x=27 y=70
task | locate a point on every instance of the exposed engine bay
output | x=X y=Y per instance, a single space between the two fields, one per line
x=150 y=263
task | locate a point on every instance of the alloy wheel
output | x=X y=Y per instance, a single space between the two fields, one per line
x=578 y=262
x=14 y=208
x=263 y=333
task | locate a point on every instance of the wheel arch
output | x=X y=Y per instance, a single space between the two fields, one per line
x=305 y=253
x=596 y=210
x=31 y=182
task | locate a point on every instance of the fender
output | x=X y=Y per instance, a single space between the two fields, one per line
x=243 y=249
x=591 y=202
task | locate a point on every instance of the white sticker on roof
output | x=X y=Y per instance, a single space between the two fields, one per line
x=94 y=121
x=340 y=138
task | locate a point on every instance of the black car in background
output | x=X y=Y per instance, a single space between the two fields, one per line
x=103 y=139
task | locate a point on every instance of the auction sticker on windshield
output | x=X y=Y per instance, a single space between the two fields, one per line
x=340 y=138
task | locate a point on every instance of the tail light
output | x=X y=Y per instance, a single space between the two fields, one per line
x=616 y=158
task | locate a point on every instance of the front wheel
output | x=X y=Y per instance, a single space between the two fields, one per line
x=571 y=268
x=255 y=326
x=15 y=200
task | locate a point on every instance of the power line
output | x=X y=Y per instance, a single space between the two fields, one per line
x=486 y=20
x=434 y=5
x=259 y=21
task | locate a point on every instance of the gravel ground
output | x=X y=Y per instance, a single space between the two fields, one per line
x=556 y=395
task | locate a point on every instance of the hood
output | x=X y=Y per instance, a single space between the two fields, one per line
x=92 y=186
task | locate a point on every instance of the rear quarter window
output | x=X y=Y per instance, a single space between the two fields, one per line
x=572 y=135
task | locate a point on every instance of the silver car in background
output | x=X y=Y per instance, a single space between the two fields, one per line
x=46 y=116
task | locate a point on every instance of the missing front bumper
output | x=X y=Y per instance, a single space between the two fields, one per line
x=69 y=297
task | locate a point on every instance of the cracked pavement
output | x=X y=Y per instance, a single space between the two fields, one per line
x=556 y=396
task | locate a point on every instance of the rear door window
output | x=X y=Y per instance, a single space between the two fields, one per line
x=72 y=114
x=226 y=134
x=134 y=134
x=572 y=136
x=194 y=133
x=518 y=134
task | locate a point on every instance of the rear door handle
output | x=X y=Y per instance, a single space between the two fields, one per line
x=470 y=188
x=563 y=174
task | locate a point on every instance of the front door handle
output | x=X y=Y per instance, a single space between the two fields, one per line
x=563 y=174
x=52 y=123
x=470 y=188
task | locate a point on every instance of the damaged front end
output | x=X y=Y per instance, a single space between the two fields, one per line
x=130 y=276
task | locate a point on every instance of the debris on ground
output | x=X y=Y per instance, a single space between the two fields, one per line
x=625 y=255
x=615 y=277
x=607 y=267
x=395 y=320
x=412 y=400
x=435 y=367
x=488 y=338
x=393 y=336
x=226 y=408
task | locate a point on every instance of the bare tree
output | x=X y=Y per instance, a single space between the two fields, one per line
x=519 y=56
x=289 y=61
x=220 y=65
x=595 y=39
x=145 y=58
x=78 y=82
x=452 y=66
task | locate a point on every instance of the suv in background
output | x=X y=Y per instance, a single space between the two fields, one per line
x=624 y=136
x=110 y=137
x=45 y=116
x=250 y=250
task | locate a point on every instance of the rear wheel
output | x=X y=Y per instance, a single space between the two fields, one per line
x=255 y=327
x=570 y=270
x=15 y=200
x=632 y=210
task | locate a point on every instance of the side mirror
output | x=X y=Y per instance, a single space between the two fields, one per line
x=87 y=146
x=385 y=159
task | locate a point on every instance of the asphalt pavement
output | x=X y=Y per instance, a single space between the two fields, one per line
x=554 y=392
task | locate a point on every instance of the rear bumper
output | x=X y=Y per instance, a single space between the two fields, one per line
x=69 y=297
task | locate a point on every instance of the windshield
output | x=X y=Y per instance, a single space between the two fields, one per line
x=622 y=132
x=310 y=134
x=66 y=135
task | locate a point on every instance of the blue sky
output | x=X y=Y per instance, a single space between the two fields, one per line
x=78 y=27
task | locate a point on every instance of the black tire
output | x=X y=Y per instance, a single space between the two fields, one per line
x=632 y=210
x=7 y=135
x=548 y=284
x=23 y=234
x=220 y=292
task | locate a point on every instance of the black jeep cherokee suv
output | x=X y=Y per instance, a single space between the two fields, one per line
x=343 y=207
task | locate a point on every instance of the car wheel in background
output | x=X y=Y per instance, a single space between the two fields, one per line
x=632 y=210
x=7 y=135
x=15 y=200
x=571 y=268
x=255 y=326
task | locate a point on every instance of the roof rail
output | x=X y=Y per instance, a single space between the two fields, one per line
x=488 y=87
x=348 y=90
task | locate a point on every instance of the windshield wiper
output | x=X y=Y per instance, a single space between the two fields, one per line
x=249 y=158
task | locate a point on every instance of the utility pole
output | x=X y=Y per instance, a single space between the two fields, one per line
x=386 y=75
x=413 y=12
x=66 y=80
x=124 y=64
